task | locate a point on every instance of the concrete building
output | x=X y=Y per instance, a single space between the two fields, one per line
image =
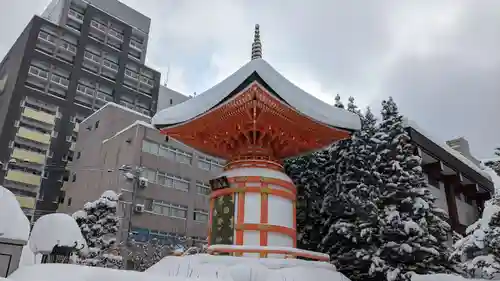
x=175 y=201
x=460 y=186
x=64 y=66
x=168 y=97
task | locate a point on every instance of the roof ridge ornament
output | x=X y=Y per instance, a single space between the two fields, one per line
x=256 y=45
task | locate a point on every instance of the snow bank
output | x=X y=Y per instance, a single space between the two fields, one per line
x=55 y=229
x=13 y=222
x=196 y=267
x=440 y=277
x=65 y=272
x=245 y=268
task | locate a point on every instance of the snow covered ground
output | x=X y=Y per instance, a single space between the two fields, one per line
x=196 y=267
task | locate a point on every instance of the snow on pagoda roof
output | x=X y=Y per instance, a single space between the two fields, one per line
x=297 y=98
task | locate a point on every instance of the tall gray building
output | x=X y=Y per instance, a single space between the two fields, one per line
x=64 y=66
x=174 y=201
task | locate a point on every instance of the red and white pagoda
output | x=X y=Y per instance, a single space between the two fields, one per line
x=255 y=119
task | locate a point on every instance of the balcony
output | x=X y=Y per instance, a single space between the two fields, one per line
x=115 y=34
x=131 y=74
x=33 y=135
x=26 y=202
x=76 y=128
x=28 y=156
x=147 y=81
x=22 y=177
x=39 y=116
x=136 y=45
x=99 y=26
x=72 y=147
x=68 y=47
x=74 y=15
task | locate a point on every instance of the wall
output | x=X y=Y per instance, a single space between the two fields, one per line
x=10 y=255
x=123 y=13
x=168 y=97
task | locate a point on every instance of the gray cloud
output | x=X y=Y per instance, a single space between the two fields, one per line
x=439 y=59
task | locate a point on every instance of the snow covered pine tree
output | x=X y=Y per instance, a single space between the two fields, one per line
x=306 y=172
x=350 y=237
x=413 y=231
x=495 y=164
x=479 y=252
x=99 y=224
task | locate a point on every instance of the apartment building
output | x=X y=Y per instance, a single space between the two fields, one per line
x=65 y=65
x=173 y=203
x=460 y=186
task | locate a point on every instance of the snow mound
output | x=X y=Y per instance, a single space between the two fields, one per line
x=110 y=195
x=55 y=229
x=440 y=277
x=13 y=222
x=196 y=267
x=245 y=268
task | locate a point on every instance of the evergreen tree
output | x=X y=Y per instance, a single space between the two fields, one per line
x=351 y=234
x=99 y=223
x=307 y=173
x=495 y=164
x=478 y=253
x=413 y=232
x=338 y=102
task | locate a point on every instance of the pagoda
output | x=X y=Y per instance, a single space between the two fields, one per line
x=255 y=119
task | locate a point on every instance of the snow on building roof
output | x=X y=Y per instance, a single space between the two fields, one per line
x=112 y=104
x=293 y=95
x=442 y=144
x=13 y=222
x=55 y=229
x=136 y=123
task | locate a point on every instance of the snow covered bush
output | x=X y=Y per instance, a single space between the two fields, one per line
x=99 y=223
x=479 y=251
x=495 y=164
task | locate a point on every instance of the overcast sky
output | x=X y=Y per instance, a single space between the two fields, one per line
x=440 y=60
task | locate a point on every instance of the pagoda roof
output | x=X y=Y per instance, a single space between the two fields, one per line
x=265 y=74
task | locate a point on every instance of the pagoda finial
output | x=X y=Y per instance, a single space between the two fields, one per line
x=256 y=45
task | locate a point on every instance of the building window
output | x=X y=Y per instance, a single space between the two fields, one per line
x=200 y=216
x=78 y=154
x=171 y=102
x=172 y=181
x=167 y=152
x=150 y=147
x=69 y=201
x=97 y=124
x=168 y=209
x=140 y=234
x=208 y=164
x=73 y=178
x=149 y=174
x=202 y=188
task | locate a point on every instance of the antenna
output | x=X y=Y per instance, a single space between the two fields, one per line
x=168 y=73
